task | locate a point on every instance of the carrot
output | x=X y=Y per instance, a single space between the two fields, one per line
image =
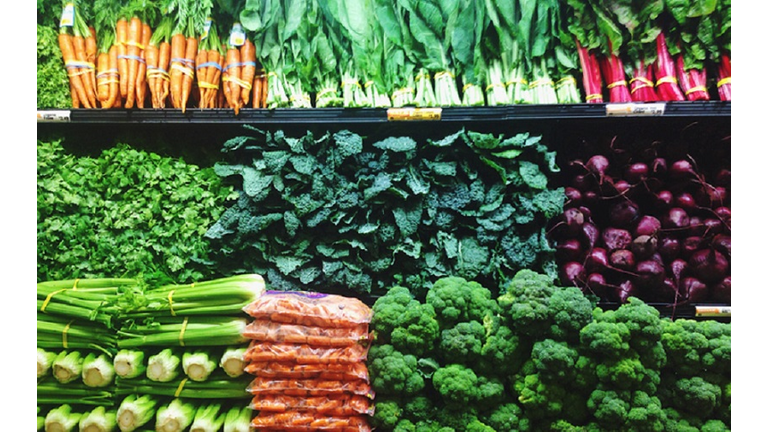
x=73 y=93
x=163 y=82
x=212 y=77
x=114 y=82
x=122 y=61
x=73 y=70
x=151 y=54
x=264 y=90
x=102 y=78
x=133 y=50
x=178 y=47
x=189 y=72
x=248 y=59
x=141 y=76
x=90 y=92
x=91 y=53
x=202 y=84
x=232 y=69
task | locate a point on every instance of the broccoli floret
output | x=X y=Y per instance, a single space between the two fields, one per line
x=392 y=372
x=609 y=407
x=507 y=417
x=456 y=299
x=697 y=396
x=538 y=398
x=405 y=425
x=456 y=384
x=643 y=321
x=571 y=310
x=388 y=411
x=684 y=345
x=553 y=360
x=478 y=426
x=504 y=352
x=646 y=413
x=490 y=391
x=625 y=373
x=524 y=301
x=604 y=338
x=404 y=322
x=715 y=426
x=419 y=407
x=456 y=417
x=462 y=343
x=681 y=421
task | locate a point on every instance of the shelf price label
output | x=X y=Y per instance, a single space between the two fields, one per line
x=414 y=114
x=53 y=116
x=713 y=311
x=634 y=109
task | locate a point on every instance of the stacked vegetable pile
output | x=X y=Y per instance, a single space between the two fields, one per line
x=320 y=53
x=172 y=354
x=542 y=357
x=336 y=212
x=650 y=221
x=124 y=211
x=307 y=354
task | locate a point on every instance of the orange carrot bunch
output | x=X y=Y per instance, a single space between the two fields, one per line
x=80 y=63
x=209 y=66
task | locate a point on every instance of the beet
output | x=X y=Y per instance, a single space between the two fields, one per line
x=616 y=238
x=622 y=259
x=624 y=213
x=644 y=246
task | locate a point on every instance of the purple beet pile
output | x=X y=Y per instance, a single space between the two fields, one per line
x=652 y=224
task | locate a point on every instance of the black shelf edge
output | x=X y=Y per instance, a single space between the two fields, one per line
x=375 y=115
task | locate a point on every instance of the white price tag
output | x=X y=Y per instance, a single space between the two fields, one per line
x=237 y=35
x=53 y=116
x=206 y=28
x=68 y=15
x=713 y=311
x=635 y=109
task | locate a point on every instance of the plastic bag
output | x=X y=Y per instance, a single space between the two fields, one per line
x=304 y=421
x=310 y=309
x=285 y=370
x=304 y=354
x=271 y=331
x=331 y=405
x=309 y=387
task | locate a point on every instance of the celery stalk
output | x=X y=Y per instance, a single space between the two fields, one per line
x=98 y=420
x=98 y=370
x=238 y=419
x=198 y=365
x=62 y=419
x=163 y=366
x=129 y=363
x=233 y=361
x=174 y=417
x=44 y=361
x=68 y=366
x=208 y=418
x=135 y=411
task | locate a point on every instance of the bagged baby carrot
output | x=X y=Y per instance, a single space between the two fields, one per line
x=310 y=309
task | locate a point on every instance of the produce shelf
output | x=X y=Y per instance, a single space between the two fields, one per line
x=546 y=112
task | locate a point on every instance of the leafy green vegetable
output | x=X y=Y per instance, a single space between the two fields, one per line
x=52 y=79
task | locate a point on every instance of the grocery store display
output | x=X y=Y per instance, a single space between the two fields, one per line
x=542 y=357
x=316 y=54
x=337 y=210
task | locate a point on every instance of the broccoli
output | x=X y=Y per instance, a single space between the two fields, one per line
x=609 y=407
x=524 y=300
x=490 y=391
x=627 y=373
x=478 y=426
x=643 y=321
x=404 y=322
x=697 y=396
x=392 y=372
x=684 y=345
x=419 y=407
x=553 y=360
x=462 y=343
x=405 y=425
x=457 y=385
x=646 y=413
x=507 y=417
x=571 y=310
x=715 y=426
x=387 y=414
x=605 y=338
x=456 y=300
x=504 y=352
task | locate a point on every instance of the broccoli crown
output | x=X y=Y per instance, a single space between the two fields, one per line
x=404 y=322
x=405 y=425
x=604 y=338
x=387 y=413
x=506 y=417
x=389 y=309
x=456 y=299
x=490 y=391
x=392 y=372
x=695 y=347
x=646 y=413
x=477 y=426
x=643 y=321
x=462 y=343
x=503 y=352
x=525 y=302
x=457 y=385
x=539 y=398
x=571 y=310
x=554 y=360
x=609 y=407
x=696 y=396
x=419 y=407
x=625 y=373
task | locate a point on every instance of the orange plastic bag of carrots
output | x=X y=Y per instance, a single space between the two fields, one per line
x=310 y=309
x=286 y=370
x=304 y=354
x=309 y=387
x=331 y=405
x=271 y=331
x=304 y=421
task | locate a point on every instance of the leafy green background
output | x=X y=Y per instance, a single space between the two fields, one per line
x=124 y=212
x=335 y=212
